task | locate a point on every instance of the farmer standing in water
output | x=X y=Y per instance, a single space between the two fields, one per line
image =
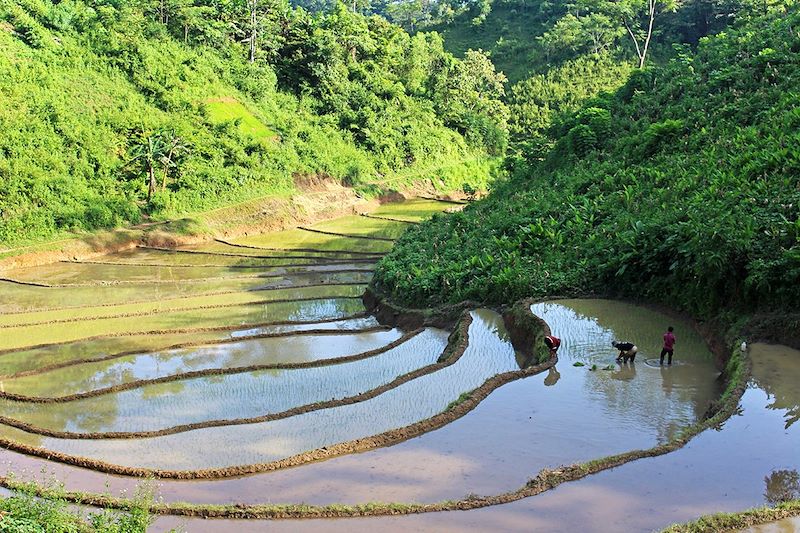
x=669 y=346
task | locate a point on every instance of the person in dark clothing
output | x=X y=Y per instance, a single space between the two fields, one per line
x=669 y=345
x=627 y=351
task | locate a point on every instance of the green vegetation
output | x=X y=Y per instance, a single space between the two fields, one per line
x=116 y=111
x=24 y=512
x=221 y=111
x=508 y=32
x=680 y=187
x=737 y=521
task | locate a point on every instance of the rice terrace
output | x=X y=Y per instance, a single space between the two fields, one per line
x=486 y=265
x=255 y=379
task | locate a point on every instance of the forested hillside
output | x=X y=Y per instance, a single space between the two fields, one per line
x=682 y=187
x=111 y=110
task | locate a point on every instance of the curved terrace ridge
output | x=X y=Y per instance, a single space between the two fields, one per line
x=227 y=327
x=193 y=344
x=346 y=235
x=291 y=275
x=313 y=250
x=196 y=307
x=458 y=343
x=221 y=371
x=545 y=480
x=247 y=256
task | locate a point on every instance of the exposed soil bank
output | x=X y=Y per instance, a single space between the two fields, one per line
x=325 y=200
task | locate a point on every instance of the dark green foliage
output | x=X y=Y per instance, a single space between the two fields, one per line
x=690 y=195
x=112 y=111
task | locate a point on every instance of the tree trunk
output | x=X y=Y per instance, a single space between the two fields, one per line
x=167 y=163
x=652 y=6
x=164 y=179
x=635 y=43
x=151 y=185
x=253 y=29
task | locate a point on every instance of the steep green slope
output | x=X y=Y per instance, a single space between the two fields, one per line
x=683 y=187
x=109 y=111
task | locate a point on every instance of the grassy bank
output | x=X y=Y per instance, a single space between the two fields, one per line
x=736 y=521
x=26 y=512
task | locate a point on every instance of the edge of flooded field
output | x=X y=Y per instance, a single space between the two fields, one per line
x=737 y=521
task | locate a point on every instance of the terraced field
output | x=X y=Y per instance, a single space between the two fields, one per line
x=215 y=368
x=227 y=355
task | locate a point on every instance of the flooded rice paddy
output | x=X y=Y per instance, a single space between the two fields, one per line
x=258 y=350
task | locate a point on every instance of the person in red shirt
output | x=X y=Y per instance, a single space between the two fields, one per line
x=553 y=343
x=669 y=345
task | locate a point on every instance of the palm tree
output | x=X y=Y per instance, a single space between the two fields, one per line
x=161 y=148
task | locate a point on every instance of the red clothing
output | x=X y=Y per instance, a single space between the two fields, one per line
x=552 y=342
x=669 y=340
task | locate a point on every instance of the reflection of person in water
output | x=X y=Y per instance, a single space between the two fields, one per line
x=552 y=377
x=627 y=351
x=625 y=373
x=666 y=381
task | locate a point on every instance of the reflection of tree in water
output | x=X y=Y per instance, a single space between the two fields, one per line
x=315 y=310
x=783 y=398
x=782 y=486
x=776 y=370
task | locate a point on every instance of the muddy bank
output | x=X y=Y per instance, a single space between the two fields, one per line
x=395 y=315
x=527 y=331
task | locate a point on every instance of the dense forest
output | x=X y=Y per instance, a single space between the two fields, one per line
x=681 y=186
x=111 y=110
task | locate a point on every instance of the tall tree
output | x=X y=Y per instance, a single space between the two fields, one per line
x=639 y=17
